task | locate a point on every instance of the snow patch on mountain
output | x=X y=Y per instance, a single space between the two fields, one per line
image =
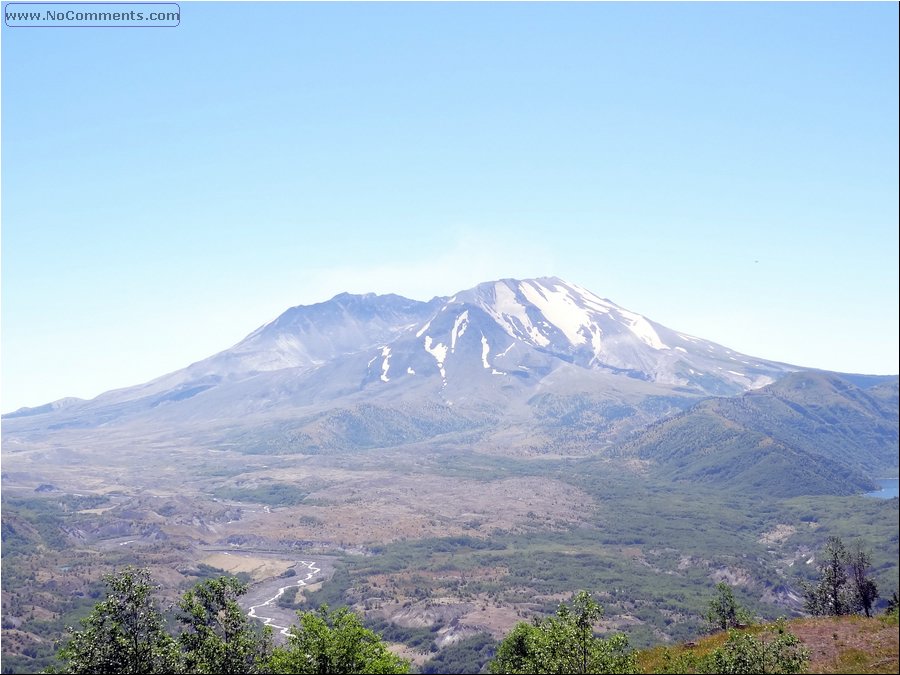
x=385 y=365
x=512 y=316
x=560 y=309
x=459 y=328
x=638 y=325
x=761 y=381
x=689 y=338
x=439 y=352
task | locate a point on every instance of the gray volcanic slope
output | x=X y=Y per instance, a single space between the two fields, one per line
x=541 y=358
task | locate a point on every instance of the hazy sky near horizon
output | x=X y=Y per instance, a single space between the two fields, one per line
x=728 y=170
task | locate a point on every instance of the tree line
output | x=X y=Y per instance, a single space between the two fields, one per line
x=127 y=633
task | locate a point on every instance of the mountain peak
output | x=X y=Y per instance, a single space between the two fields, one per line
x=548 y=310
x=345 y=296
x=350 y=298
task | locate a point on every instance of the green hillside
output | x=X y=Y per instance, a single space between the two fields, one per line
x=811 y=433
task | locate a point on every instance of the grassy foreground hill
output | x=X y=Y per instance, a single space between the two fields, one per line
x=836 y=644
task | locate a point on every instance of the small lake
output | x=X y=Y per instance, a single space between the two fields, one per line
x=887 y=491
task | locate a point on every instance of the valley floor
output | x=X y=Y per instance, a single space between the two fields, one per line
x=441 y=550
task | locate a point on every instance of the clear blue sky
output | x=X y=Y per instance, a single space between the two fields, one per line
x=728 y=170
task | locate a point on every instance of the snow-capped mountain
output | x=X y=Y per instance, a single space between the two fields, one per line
x=496 y=346
x=511 y=327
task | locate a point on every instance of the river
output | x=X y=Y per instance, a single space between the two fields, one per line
x=268 y=611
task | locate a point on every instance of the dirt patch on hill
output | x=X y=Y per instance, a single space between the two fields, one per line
x=492 y=618
x=849 y=644
x=416 y=656
x=777 y=535
x=426 y=613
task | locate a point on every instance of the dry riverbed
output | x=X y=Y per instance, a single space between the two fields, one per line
x=261 y=600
